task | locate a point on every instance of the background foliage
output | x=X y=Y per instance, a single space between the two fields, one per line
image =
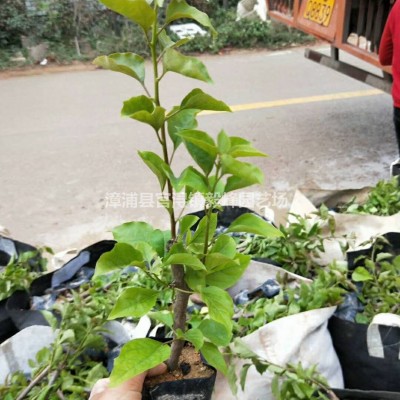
x=83 y=29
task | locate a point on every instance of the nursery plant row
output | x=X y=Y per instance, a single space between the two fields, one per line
x=77 y=305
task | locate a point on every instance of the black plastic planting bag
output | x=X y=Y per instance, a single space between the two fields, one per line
x=227 y=215
x=17 y=311
x=7 y=327
x=10 y=248
x=368 y=354
x=354 y=259
x=346 y=394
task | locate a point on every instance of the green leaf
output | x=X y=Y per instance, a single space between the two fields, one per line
x=178 y=9
x=225 y=245
x=242 y=350
x=383 y=256
x=232 y=378
x=200 y=139
x=68 y=336
x=220 y=305
x=243 y=174
x=360 y=274
x=138 y=11
x=121 y=256
x=199 y=100
x=186 y=222
x=136 y=357
x=50 y=318
x=159 y=167
x=142 y=109
x=200 y=234
x=195 y=279
x=195 y=337
x=218 y=261
x=149 y=253
x=251 y=223
x=243 y=375
x=182 y=120
x=167 y=43
x=134 y=302
x=224 y=143
x=193 y=179
x=215 y=332
x=191 y=67
x=137 y=104
x=165 y=317
x=275 y=388
x=95 y=373
x=214 y=357
x=127 y=63
x=229 y=274
x=276 y=369
x=201 y=147
x=189 y=260
x=245 y=150
x=137 y=232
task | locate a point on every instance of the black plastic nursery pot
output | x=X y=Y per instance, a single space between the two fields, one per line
x=183 y=389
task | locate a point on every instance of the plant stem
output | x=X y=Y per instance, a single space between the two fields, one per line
x=33 y=383
x=178 y=272
x=163 y=141
x=180 y=306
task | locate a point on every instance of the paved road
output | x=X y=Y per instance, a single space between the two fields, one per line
x=66 y=157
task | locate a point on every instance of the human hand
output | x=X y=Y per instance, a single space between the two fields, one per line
x=129 y=390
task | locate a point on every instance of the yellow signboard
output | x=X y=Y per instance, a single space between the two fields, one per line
x=319 y=11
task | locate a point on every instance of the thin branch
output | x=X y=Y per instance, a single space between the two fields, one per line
x=33 y=383
x=146 y=90
x=183 y=291
x=60 y=395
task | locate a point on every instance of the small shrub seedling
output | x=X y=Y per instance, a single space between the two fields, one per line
x=21 y=271
x=189 y=258
x=384 y=199
x=379 y=282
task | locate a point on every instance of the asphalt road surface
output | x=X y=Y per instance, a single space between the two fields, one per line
x=69 y=169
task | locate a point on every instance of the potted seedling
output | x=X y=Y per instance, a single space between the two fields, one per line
x=189 y=258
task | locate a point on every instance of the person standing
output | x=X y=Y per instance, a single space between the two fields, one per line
x=389 y=54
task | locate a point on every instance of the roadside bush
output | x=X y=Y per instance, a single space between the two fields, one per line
x=246 y=34
x=83 y=29
x=128 y=37
x=13 y=22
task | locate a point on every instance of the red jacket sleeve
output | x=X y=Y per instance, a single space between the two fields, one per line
x=386 y=44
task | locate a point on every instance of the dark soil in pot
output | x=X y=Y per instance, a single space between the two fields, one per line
x=193 y=380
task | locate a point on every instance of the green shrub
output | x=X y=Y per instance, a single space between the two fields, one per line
x=59 y=22
x=245 y=34
x=13 y=22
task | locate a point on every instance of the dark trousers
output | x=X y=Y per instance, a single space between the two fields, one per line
x=396 y=120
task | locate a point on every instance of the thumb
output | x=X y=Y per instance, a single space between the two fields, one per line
x=135 y=384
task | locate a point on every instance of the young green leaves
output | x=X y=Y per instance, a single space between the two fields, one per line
x=197 y=259
x=136 y=357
